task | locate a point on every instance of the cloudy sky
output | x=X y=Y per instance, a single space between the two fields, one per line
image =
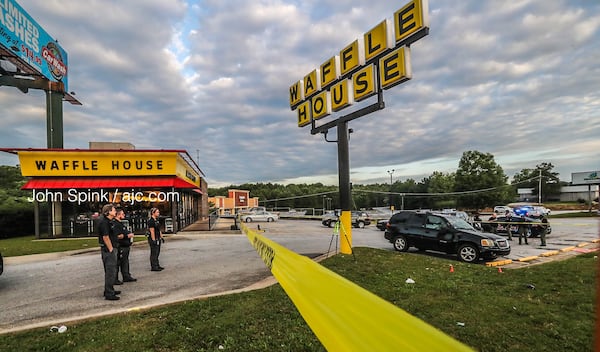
x=519 y=79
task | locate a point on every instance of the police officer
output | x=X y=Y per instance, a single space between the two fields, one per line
x=543 y=231
x=125 y=238
x=523 y=227
x=491 y=223
x=108 y=247
x=508 y=224
x=154 y=239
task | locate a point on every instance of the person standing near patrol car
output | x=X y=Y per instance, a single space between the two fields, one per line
x=523 y=229
x=543 y=231
x=154 y=239
x=508 y=224
x=108 y=247
x=125 y=238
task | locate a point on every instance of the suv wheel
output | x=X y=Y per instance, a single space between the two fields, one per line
x=331 y=223
x=360 y=224
x=468 y=253
x=248 y=219
x=400 y=243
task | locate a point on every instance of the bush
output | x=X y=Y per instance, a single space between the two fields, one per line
x=17 y=223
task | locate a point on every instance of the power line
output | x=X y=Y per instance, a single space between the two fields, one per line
x=297 y=197
x=408 y=194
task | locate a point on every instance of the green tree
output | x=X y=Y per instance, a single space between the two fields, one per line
x=530 y=178
x=479 y=171
x=440 y=182
x=16 y=212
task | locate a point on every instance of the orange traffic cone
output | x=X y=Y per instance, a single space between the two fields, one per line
x=500 y=270
x=451 y=268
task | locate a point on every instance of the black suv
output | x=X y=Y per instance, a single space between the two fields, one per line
x=1 y=264
x=445 y=233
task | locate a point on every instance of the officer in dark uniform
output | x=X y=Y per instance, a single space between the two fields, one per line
x=154 y=239
x=108 y=247
x=523 y=229
x=125 y=238
x=492 y=226
x=543 y=231
x=508 y=225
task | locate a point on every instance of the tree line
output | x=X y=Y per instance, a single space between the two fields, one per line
x=478 y=182
x=16 y=210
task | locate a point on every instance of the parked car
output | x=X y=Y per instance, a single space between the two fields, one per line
x=454 y=212
x=253 y=210
x=259 y=215
x=444 y=233
x=501 y=209
x=359 y=219
x=382 y=224
x=535 y=226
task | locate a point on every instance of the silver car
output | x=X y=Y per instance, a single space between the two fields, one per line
x=260 y=215
x=501 y=209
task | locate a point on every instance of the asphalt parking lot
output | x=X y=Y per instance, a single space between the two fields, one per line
x=46 y=290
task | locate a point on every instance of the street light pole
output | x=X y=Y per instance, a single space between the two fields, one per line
x=391 y=172
x=540 y=189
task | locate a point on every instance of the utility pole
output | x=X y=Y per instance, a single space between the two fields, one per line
x=391 y=172
x=540 y=188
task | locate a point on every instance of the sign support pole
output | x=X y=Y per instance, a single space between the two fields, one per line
x=382 y=50
x=344 y=166
x=54 y=119
x=344 y=188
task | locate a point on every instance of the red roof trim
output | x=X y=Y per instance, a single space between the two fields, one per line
x=106 y=182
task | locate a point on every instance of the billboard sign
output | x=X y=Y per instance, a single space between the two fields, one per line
x=27 y=45
x=380 y=55
x=585 y=178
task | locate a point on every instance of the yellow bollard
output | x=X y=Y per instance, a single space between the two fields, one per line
x=346 y=232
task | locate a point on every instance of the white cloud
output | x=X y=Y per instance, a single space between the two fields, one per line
x=517 y=79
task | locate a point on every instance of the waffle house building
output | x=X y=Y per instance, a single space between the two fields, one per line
x=70 y=186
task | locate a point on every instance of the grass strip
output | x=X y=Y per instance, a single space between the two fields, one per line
x=547 y=307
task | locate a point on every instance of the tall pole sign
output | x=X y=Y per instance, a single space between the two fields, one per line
x=363 y=69
x=31 y=59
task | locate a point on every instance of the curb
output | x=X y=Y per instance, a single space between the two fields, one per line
x=527 y=260
x=498 y=263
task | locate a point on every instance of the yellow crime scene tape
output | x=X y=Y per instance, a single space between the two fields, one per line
x=343 y=315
